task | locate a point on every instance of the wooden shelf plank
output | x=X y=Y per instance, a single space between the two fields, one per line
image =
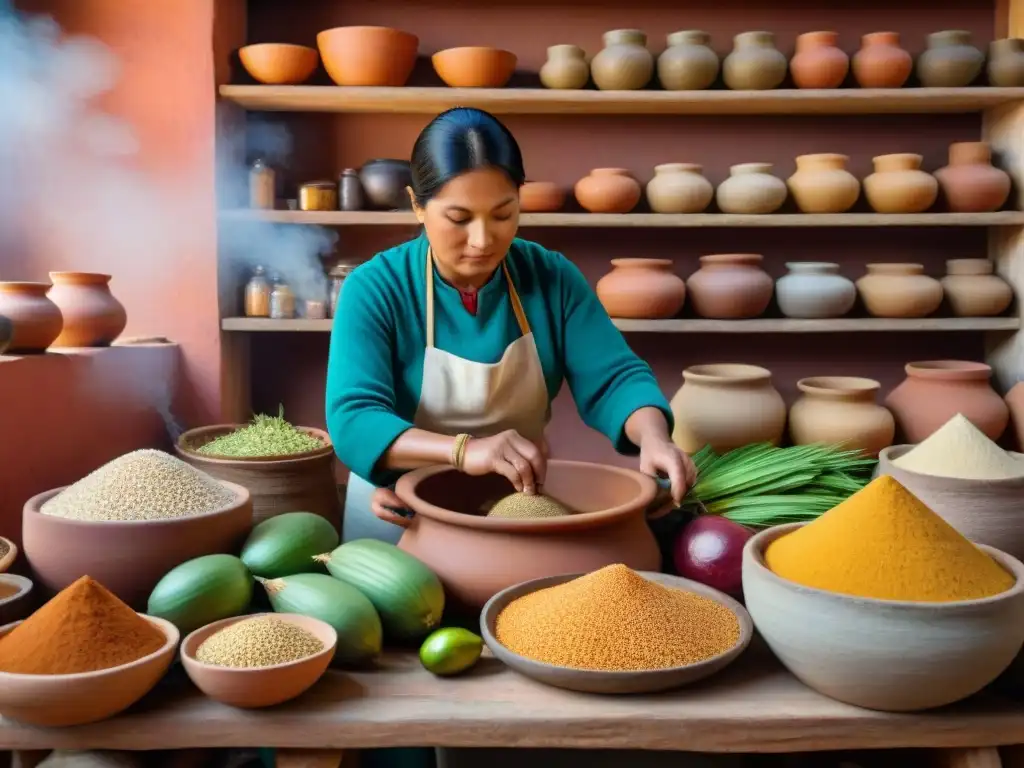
x=541 y=101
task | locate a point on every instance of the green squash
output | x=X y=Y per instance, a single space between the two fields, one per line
x=285 y=544
x=201 y=591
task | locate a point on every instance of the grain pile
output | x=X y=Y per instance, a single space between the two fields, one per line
x=261 y=641
x=616 y=620
x=264 y=436
x=142 y=485
x=527 y=505
x=4 y=548
x=958 y=449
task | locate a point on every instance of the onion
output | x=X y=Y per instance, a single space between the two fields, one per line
x=710 y=550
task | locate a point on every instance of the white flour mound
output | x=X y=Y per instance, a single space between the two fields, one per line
x=960 y=450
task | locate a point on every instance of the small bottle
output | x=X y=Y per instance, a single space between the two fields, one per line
x=338 y=274
x=282 y=300
x=262 y=186
x=350 y=191
x=257 y=294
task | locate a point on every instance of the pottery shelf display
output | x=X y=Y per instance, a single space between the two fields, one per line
x=972 y=290
x=645 y=289
x=814 y=290
x=899 y=290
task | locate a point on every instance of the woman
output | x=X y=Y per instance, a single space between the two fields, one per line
x=449 y=349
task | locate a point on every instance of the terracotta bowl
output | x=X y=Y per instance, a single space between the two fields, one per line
x=474 y=66
x=127 y=557
x=476 y=556
x=612 y=682
x=888 y=655
x=11 y=555
x=378 y=56
x=279 y=63
x=265 y=686
x=17 y=605
x=541 y=197
x=86 y=697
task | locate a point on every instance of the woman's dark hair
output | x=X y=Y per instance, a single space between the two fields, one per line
x=460 y=140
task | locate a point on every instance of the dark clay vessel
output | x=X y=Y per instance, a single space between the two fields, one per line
x=385 y=181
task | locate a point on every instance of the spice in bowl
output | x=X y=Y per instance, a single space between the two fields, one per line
x=4 y=548
x=527 y=506
x=265 y=436
x=261 y=641
x=960 y=450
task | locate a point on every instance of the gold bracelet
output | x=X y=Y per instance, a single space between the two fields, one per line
x=459 y=449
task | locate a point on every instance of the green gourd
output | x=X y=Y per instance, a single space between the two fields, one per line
x=202 y=590
x=284 y=545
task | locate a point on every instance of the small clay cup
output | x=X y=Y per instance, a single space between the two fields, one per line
x=18 y=604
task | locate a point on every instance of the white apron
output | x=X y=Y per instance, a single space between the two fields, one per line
x=458 y=395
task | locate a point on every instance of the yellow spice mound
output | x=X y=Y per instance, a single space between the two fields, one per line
x=884 y=543
x=615 y=619
x=527 y=505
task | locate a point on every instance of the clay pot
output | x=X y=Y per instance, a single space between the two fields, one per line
x=92 y=316
x=541 y=197
x=898 y=185
x=37 y=321
x=462 y=547
x=751 y=189
x=818 y=61
x=566 y=68
x=1015 y=402
x=608 y=190
x=727 y=406
x=679 y=188
x=841 y=410
x=730 y=286
x=474 y=66
x=1006 y=63
x=645 y=289
x=899 y=290
x=970 y=183
x=6 y=333
x=950 y=61
x=936 y=390
x=814 y=289
x=385 y=183
x=624 y=64
x=881 y=62
x=755 y=64
x=689 y=63
x=368 y=55
x=973 y=290
x=822 y=184
x=279 y=63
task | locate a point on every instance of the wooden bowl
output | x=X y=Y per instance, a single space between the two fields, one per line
x=10 y=556
x=85 y=697
x=17 y=605
x=590 y=681
x=251 y=688
x=374 y=56
x=888 y=655
x=474 y=66
x=279 y=63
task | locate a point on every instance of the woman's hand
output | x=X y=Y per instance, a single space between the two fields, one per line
x=388 y=507
x=508 y=454
x=659 y=456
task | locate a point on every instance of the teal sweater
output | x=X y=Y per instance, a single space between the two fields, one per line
x=375 y=368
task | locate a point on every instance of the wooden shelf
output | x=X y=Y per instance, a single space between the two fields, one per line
x=541 y=101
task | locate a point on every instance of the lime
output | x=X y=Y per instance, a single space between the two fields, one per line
x=450 y=650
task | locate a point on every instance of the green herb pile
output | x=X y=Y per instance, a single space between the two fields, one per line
x=265 y=436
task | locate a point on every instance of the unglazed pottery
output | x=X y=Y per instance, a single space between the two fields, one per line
x=754 y=64
x=818 y=61
x=541 y=197
x=822 y=184
x=368 y=55
x=1015 y=402
x=727 y=406
x=679 y=188
x=36 y=320
x=972 y=289
x=950 y=60
x=1006 y=63
x=898 y=185
x=624 y=64
x=474 y=66
x=899 y=290
x=841 y=410
x=608 y=190
x=814 y=289
x=689 y=63
x=730 y=286
x=883 y=654
x=279 y=63
x=881 y=62
x=751 y=189
x=937 y=390
x=385 y=183
x=92 y=316
x=566 y=68
x=642 y=289
x=970 y=183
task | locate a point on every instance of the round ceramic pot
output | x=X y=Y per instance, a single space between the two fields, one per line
x=730 y=286
x=624 y=64
x=374 y=56
x=899 y=290
x=935 y=391
x=822 y=184
x=36 y=320
x=679 y=188
x=92 y=316
x=841 y=410
x=881 y=62
x=385 y=184
x=973 y=290
x=1006 y=63
x=754 y=64
x=898 y=185
x=970 y=183
x=751 y=189
x=608 y=190
x=727 y=406
x=689 y=63
x=566 y=68
x=950 y=61
x=541 y=197
x=814 y=289
x=642 y=289
x=461 y=546
x=818 y=61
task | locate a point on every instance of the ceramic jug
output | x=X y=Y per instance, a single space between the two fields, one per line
x=970 y=183
x=881 y=62
x=755 y=64
x=972 y=289
x=608 y=190
x=646 y=289
x=730 y=286
x=822 y=184
x=566 y=68
x=92 y=316
x=950 y=61
x=624 y=64
x=841 y=410
x=818 y=61
x=814 y=289
x=1006 y=63
x=679 y=188
x=36 y=320
x=751 y=189
x=689 y=63
x=898 y=185
x=899 y=290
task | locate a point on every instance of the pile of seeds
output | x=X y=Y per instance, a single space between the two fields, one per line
x=141 y=485
x=261 y=641
x=4 y=548
x=265 y=436
x=527 y=505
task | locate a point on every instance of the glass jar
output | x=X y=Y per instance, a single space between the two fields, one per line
x=282 y=300
x=257 y=294
x=337 y=275
x=350 y=191
x=262 y=186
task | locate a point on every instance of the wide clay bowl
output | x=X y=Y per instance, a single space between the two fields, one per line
x=887 y=655
x=372 y=56
x=474 y=66
x=127 y=557
x=279 y=63
x=86 y=697
x=477 y=556
x=590 y=681
x=251 y=688
x=14 y=605
x=10 y=554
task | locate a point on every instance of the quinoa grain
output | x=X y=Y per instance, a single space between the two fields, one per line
x=261 y=641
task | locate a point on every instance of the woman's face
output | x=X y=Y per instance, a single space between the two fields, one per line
x=470 y=224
